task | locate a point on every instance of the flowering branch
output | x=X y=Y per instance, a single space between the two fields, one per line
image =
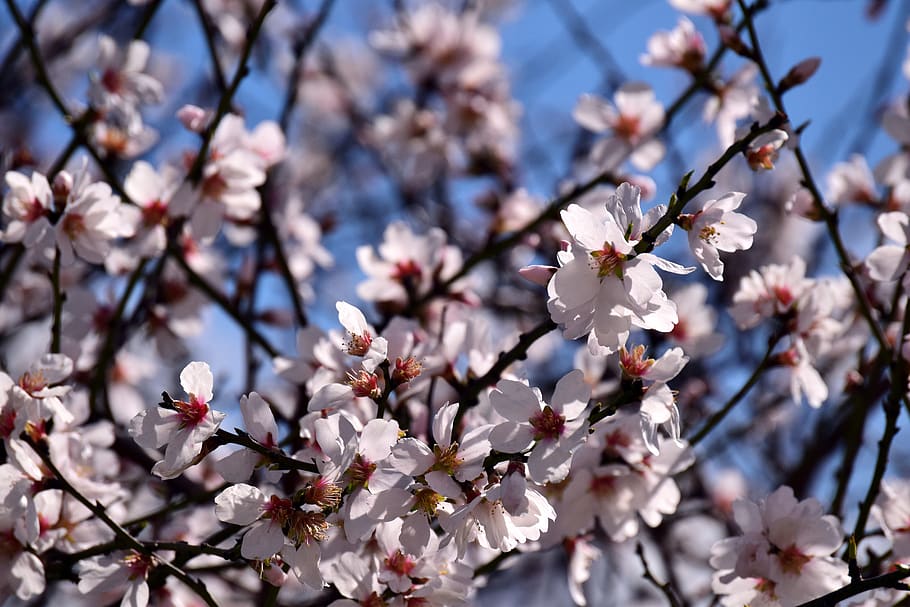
x=891 y=579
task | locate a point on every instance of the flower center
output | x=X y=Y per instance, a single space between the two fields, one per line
x=73 y=225
x=323 y=493
x=762 y=158
x=400 y=564
x=627 y=127
x=427 y=501
x=607 y=261
x=214 y=186
x=792 y=560
x=783 y=294
x=359 y=345
x=447 y=459
x=32 y=382
x=138 y=564
x=154 y=213
x=307 y=527
x=34 y=211
x=7 y=422
x=360 y=471
x=365 y=384
x=278 y=509
x=709 y=234
x=193 y=412
x=603 y=486
x=111 y=80
x=548 y=424
x=634 y=363
x=406 y=269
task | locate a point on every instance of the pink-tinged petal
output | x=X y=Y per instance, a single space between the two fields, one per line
x=514 y=494
x=549 y=462
x=887 y=262
x=237 y=466
x=207 y=218
x=137 y=594
x=571 y=395
x=443 y=484
x=27 y=575
x=539 y=275
x=416 y=534
x=648 y=154
x=351 y=318
x=410 y=456
x=442 y=424
x=304 y=562
x=262 y=541
x=258 y=419
x=154 y=427
x=511 y=437
x=377 y=439
x=142 y=184
x=514 y=400
x=584 y=227
x=779 y=504
x=575 y=284
x=666 y=265
x=239 y=504
x=197 y=380
x=668 y=366
x=330 y=395
x=895 y=225
x=593 y=113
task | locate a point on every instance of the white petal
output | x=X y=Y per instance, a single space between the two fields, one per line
x=197 y=380
x=239 y=504
x=571 y=395
x=351 y=318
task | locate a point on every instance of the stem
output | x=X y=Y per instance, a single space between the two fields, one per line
x=209 y=34
x=887 y=580
x=718 y=417
x=898 y=372
x=671 y=594
x=57 y=325
x=468 y=395
x=300 y=50
x=219 y=298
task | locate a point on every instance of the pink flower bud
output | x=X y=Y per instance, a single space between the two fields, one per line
x=194 y=118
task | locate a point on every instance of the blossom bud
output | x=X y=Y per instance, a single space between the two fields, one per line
x=194 y=118
x=799 y=73
x=61 y=188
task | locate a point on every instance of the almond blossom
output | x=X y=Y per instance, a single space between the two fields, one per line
x=784 y=552
x=717 y=227
x=556 y=429
x=603 y=287
x=184 y=427
x=634 y=123
x=27 y=206
x=276 y=524
x=681 y=47
x=127 y=574
x=890 y=261
x=90 y=221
